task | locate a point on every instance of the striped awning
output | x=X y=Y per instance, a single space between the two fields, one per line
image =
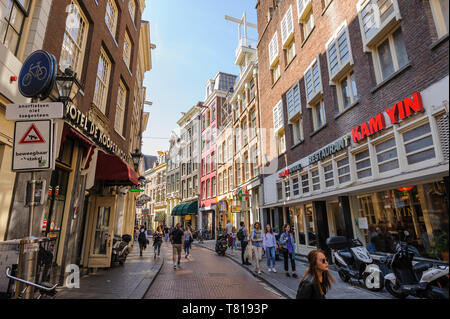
x=190 y=208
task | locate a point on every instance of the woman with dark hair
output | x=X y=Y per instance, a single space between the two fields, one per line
x=288 y=244
x=317 y=279
x=157 y=240
x=257 y=239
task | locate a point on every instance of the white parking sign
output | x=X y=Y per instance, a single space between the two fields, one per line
x=32 y=150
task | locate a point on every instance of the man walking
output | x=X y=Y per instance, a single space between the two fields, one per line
x=242 y=236
x=166 y=233
x=177 y=241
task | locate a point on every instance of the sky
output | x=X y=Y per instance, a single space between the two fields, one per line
x=193 y=43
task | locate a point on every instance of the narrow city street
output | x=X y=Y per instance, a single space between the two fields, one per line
x=205 y=275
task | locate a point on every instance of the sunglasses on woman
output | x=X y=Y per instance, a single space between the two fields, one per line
x=324 y=261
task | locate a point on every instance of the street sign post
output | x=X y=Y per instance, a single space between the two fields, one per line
x=33 y=146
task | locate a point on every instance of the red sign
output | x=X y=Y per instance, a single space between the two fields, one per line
x=283 y=174
x=52 y=225
x=44 y=224
x=32 y=136
x=399 y=111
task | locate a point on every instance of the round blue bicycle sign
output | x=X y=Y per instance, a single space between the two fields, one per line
x=37 y=74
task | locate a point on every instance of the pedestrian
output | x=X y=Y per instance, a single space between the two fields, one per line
x=288 y=244
x=256 y=239
x=233 y=237
x=177 y=241
x=157 y=240
x=187 y=242
x=142 y=239
x=317 y=279
x=166 y=234
x=269 y=244
x=242 y=236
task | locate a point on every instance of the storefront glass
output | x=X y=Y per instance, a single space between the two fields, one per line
x=338 y=222
x=306 y=226
x=421 y=210
x=101 y=230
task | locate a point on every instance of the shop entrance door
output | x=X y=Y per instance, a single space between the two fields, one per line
x=103 y=232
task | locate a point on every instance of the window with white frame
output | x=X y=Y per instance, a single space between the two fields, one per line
x=318 y=111
x=213 y=186
x=305 y=183
x=315 y=179
x=363 y=164
x=120 y=109
x=127 y=50
x=346 y=91
x=390 y=55
x=237 y=165
x=297 y=130
x=306 y=17
x=387 y=157
x=440 y=10
x=244 y=131
x=418 y=144
x=339 y=54
x=132 y=9
x=111 y=16
x=376 y=17
x=74 y=43
x=287 y=35
x=343 y=170
x=230 y=178
x=279 y=191
x=281 y=142
x=313 y=81
x=225 y=181
x=290 y=52
x=278 y=119
x=255 y=167
x=287 y=189
x=295 y=186
x=328 y=174
x=246 y=167
x=293 y=103
x=273 y=50
x=208 y=188
x=253 y=123
x=102 y=82
x=220 y=184
x=275 y=72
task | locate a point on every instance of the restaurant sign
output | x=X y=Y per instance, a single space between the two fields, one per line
x=330 y=149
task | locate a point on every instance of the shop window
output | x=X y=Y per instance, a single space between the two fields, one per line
x=363 y=165
x=12 y=22
x=422 y=210
x=101 y=230
x=305 y=183
x=387 y=157
x=390 y=55
x=418 y=144
x=65 y=155
x=300 y=225
x=279 y=191
x=295 y=186
x=311 y=239
x=343 y=167
x=328 y=174
x=440 y=11
x=287 y=189
x=315 y=178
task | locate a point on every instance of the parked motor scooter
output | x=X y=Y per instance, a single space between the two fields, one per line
x=422 y=280
x=120 y=249
x=221 y=244
x=354 y=263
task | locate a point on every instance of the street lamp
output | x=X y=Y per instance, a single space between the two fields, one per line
x=136 y=158
x=67 y=85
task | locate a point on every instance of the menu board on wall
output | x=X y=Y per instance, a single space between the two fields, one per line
x=362 y=223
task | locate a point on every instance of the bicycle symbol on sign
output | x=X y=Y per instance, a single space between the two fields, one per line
x=35 y=71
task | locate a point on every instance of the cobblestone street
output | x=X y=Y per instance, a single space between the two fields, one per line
x=205 y=275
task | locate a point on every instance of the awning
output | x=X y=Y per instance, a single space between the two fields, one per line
x=88 y=146
x=190 y=208
x=114 y=171
x=160 y=217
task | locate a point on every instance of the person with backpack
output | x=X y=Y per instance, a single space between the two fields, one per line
x=157 y=240
x=242 y=236
x=288 y=244
x=177 y=241
x=269 y=244
x=142 y=239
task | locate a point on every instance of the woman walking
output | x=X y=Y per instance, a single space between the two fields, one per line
x=269 y=243
x=234 y=237
x=317 y=279
x=257 y=238
x=287 y=240
x=142 y=239
x=157 y=240
x=187 y=242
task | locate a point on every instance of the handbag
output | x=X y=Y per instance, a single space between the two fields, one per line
x=248 y=254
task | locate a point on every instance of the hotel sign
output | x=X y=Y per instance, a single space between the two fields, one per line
x=94 y=131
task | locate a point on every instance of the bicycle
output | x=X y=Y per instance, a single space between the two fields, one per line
x=35 y=71
x=46 y=290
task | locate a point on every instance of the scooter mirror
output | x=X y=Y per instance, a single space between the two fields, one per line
x=406 y=233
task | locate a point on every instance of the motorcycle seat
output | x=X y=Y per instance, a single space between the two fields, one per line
x=345 y=254
x=422 y=266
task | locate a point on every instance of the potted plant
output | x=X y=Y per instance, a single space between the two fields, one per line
x=440 y=249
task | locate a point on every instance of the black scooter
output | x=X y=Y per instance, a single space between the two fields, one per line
x=422 y=280
x=120 y=249
x=221 y=245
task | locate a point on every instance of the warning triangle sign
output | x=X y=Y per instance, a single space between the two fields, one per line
x=32 y=136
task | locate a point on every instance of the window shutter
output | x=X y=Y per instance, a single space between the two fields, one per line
x=338 y=53
x=287 y=26
x=273 y=48
x=293 y=101
x=278 y=119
